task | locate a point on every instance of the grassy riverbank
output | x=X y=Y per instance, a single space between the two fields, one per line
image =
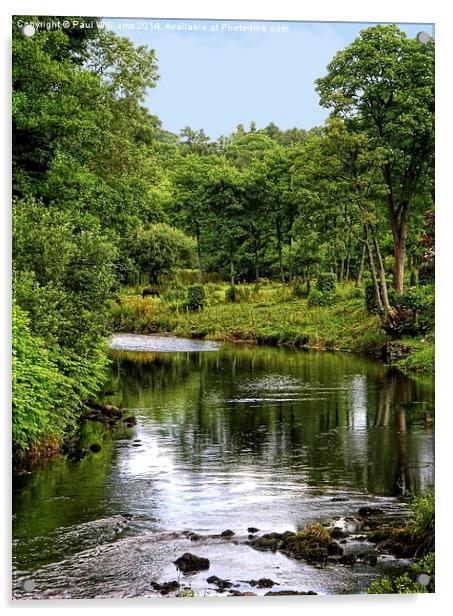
x=269 y=314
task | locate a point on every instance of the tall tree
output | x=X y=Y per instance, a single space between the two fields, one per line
x=383 y=85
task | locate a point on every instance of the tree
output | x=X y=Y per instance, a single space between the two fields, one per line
x=226 y=198
x=383 y=85
x=160 y=250
x=190 y=206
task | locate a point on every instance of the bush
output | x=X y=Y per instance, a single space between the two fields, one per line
x=39 y=389
x=421 y=361
x=423 y=507
x=299 y=288
x=318 y=298
x=236 y=294
x=414 y=312
x=232 y=294
x=195 y=297
x=370 y=298
x=326 y=283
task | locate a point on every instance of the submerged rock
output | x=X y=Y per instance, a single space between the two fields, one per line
x=365 y=512
x=252 y=530
x=337 y=533
x=348 y=559
x=370 y=558
x=190 y=562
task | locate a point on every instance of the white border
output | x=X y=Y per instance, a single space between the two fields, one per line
x=329 y=10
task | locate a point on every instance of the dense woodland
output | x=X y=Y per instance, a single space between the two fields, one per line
x=104 y=197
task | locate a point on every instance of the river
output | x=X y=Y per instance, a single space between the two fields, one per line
x=227 y=437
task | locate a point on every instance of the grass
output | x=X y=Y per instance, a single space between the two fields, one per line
x=266 y=314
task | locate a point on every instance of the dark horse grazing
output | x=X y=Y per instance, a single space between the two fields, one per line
x=150 y=291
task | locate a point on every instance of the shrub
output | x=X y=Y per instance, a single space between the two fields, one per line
x=231 y=294
x=414 y=312
x=318 y=298
x=236 y=294
x=423 y=507
x=326 y=282
x=299 y=288
x=370 y=298
x=39 y=389
x=195 y=297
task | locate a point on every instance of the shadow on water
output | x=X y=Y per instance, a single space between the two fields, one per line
x=227 y=439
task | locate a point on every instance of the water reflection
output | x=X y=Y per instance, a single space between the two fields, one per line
x=334 y=420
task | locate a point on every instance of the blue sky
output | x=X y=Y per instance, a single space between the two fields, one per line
x=214 y=78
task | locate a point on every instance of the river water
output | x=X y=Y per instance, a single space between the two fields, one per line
x=227 y=437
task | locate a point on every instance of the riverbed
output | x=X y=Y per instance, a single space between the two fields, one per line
x=227 y=437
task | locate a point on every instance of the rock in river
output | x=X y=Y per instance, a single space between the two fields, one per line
x=226 y=534
x=219 y=582
x=166 y=587
x=262 y=583
x=365 y=512
x=189 y=562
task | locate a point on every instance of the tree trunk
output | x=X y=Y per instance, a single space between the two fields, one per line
x=398 y=271
x=279 y=250
x=290 y=259
x=399 y=218
x=374 y=277
x=361 y=267
x=383 y=282
x=199 y=273
x=231 y=272
x=341 y=277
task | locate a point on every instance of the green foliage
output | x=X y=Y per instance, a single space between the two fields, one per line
x=299 y=288
x=423 y=508
x=232 y=294
x=235 y=294
x=421 y=362
x=326 y=282
x=40 y=391
x=414 y=312
x=160 y=250
x=320 y=298
x=370 y=296
x=196 y=297
x=63 y=272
